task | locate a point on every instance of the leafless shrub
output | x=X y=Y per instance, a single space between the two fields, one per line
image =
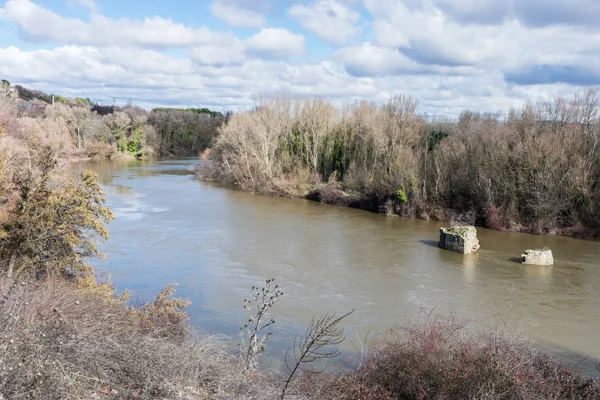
x=99 y=150
x=8 y=101
x=255 y=332
x=440 y=358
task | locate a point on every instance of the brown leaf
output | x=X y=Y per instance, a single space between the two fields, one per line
x=105 y=390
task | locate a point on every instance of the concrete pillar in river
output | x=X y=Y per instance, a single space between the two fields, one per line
x=537 y=257
x=462 y=239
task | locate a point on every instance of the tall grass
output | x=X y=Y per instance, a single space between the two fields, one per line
x=59 y=341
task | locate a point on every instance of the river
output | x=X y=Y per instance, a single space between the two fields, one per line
x=217 y=243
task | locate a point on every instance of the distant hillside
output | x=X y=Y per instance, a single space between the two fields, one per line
x=97 y=130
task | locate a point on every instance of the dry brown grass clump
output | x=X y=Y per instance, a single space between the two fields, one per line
x=58 y=341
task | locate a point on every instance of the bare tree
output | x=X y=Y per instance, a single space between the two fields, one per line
x=248 y=145
x=318 y=343
x=8 y=101
x=315 y=121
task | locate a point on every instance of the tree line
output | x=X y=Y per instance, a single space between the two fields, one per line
x=101 y=131
x=535 y=169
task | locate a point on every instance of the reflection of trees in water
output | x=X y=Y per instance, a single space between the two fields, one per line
x=126 y=168
x=107 y=169
x=102 y=168
x=121 y=189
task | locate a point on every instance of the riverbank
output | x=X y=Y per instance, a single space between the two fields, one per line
x=388 y=204
x=384 y=203
x=80 y=340
x=62 y=339
x=534 y=170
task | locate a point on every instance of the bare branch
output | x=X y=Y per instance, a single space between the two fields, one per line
x=318 y=343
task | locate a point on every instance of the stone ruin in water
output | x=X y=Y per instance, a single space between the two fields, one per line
x=537 y=257
x=461 y=239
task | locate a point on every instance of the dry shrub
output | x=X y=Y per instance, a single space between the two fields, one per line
x=99 y=150
x=8 y=102
x=63 y=340
x=370 y=201
x=328 y=194
x=294 y=184
x=59 y=342
x=165 y=316
x=247 y=146
x=8 y=124
x=206 y=154
x=41 y=142
x=493 y=218
x=440 y=358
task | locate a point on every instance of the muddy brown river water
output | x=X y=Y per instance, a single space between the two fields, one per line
x=217 y=242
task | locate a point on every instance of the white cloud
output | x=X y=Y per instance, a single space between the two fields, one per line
x=275 y=43
x=427 y=34
x=89 y=4
x=268 y=44
x=234 y=15
x=219 y=55
x=532 y=13
x=449 y=54
x=90 y=64
x=41 y=24
x=151 y=79
x=370 y=60
x=330 y=20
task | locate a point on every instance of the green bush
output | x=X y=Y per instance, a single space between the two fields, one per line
x=401 y=196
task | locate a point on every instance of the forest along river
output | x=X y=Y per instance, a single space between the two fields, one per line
x=217 y=243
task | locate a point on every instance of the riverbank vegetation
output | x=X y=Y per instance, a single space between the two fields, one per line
x=65 y=334
x=535 y=169
x=94 y=131
x=59 y=339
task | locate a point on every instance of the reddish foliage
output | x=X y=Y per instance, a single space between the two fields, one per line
x=439 y=359
x=8 y=124
x=493 y=218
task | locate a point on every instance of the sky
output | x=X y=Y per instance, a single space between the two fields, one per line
x=484 y=55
